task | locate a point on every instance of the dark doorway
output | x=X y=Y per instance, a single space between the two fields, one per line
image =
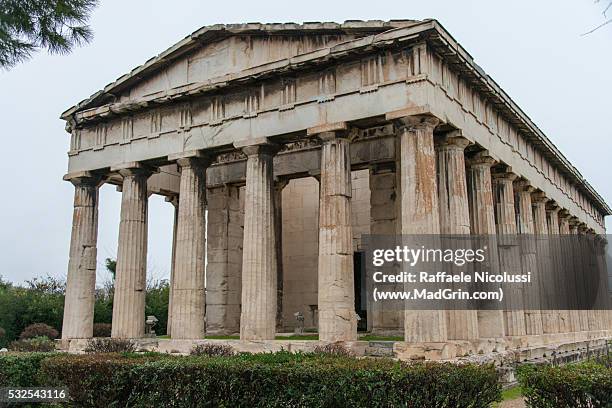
x=360 y=290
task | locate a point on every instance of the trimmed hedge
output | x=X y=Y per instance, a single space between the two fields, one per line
x=579 y=385
x=21 y=369
x=268 y=380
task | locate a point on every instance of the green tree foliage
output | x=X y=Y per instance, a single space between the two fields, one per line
x=40 y=301
x=55 y=25
x=156 y=304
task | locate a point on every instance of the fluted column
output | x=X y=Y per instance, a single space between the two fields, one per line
x=420 y=212
x=550 y=319
x=570 y=274
x=525 y=226
x=336 y=299
x=174 y=201
x=81 y=279
x=482 y=222
x=259 y=268
x=188 y=283
x=574 y=222
x=455 y=218
x=130 y=279
x=509 y=256
x=552 y=217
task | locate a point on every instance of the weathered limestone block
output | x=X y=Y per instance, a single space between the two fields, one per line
x=130 y=280
x=482 y=222
x=336 y=300
x=509 y=255
x=384 y=220
x=81 y=280
x=455 y=218
x=224 y=268
x=258 y=314
x=300 y=245
x=525 y=225
x=188 y=283
x=419 y=211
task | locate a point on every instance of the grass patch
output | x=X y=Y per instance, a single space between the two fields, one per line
x=512 y=393
x=371 y=337
x=299 y=337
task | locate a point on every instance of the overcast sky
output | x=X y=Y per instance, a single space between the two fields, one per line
x=533 y=49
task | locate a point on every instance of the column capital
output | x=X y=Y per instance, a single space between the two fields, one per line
x=504 y=175
x=191 y=158
x=563 y=213
x=552 y=207
x=83 y=178
x=539 y=198
x=482 y=158
x=133 y=169
x=574 y=221
x=258 y=146
x=415 y=122
x=522 y=185
x=452 y=140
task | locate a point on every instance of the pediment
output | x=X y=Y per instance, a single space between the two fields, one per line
x=215 y=51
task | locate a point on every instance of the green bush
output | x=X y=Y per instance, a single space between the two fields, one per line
x=107 y=345
x=212 y=350
x=271 y=380
x=21 y=369
x=571 y=386
x=36 y=344
x=38 y=330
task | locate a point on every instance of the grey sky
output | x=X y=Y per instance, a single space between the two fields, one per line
x=532 y=49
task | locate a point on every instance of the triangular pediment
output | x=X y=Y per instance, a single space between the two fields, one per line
x=215 y=51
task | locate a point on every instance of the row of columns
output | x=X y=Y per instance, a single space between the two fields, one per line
x=439 y=192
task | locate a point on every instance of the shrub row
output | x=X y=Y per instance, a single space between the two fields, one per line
x=21 y=369
x=271 y=380
x=587 y=384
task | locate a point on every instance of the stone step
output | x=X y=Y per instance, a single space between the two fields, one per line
x=380 y=348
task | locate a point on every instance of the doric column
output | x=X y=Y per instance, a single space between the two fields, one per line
x=482 y=222
x=81 y=280
x=480 y=194
x=455 y=218
x=540 y=225
x=524 y=208
x=188 y=283
x=224 y=255
x=552 y=218
x=130 y=279
x=174 y=201
x=573 y=225
x=550 y=319
x=258 y=314
x=564 y=227
x=509 y=255
x=525 y=226
x=570 y=274
x=420 y=212
x=336 y=300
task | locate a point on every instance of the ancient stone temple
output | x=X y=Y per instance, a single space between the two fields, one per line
x=280 y=146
